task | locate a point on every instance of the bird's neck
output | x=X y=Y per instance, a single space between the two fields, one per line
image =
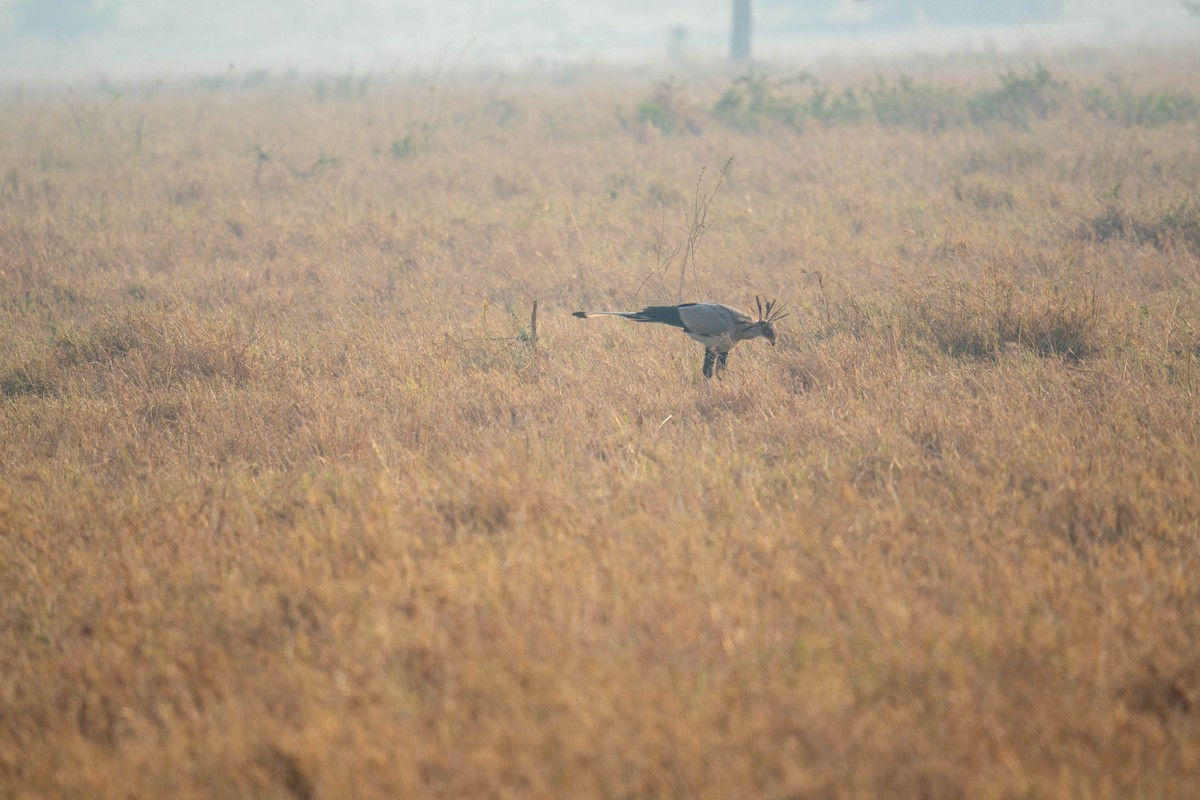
x=750 y=331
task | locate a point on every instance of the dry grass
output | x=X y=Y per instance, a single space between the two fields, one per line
x=288 y=507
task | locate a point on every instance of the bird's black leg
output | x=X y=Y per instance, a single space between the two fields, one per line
x=709 y=357
x=720 y=365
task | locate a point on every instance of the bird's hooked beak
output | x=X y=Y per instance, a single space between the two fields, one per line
x=770 y=334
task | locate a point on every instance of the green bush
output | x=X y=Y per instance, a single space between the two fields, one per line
x=1120 y=103
x=908 y=105
x=1021 y=96
x=755 y=98
x=663 y=109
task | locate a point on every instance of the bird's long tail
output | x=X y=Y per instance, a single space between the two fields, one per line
x=667 y=315
x=626 y=314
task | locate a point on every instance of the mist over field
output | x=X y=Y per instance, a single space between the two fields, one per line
x=144 y=38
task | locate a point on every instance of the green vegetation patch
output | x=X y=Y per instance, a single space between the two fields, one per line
x=1021 y=96
x=1118 y=102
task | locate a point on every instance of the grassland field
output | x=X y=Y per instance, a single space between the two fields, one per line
x=295 y=502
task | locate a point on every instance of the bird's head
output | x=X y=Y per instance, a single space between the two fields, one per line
x=767 y=317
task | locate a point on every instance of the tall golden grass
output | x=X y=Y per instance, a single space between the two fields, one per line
x=291 y=504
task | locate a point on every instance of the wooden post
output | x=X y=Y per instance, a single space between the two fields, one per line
x=533 y=328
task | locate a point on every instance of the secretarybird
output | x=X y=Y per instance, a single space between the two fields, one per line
x=718 y=327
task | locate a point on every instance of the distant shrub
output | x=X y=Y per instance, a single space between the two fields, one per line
x=908 y=105
x=664 y=108
x=1119 y=103
x=417 y=139
x=658 y=115
x=755 y=98
x=1021 y=96
x=402 y=147
x=832 y=107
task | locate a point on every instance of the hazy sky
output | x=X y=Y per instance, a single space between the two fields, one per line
x=156 y=38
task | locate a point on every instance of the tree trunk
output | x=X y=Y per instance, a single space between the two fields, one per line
x=739 y=48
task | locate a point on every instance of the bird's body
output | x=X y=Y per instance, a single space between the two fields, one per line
x=718 y=327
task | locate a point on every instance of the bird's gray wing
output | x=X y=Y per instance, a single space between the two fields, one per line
x=710 y=319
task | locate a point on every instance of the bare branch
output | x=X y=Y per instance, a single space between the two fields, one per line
x=696 y=228
x=662 y=264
